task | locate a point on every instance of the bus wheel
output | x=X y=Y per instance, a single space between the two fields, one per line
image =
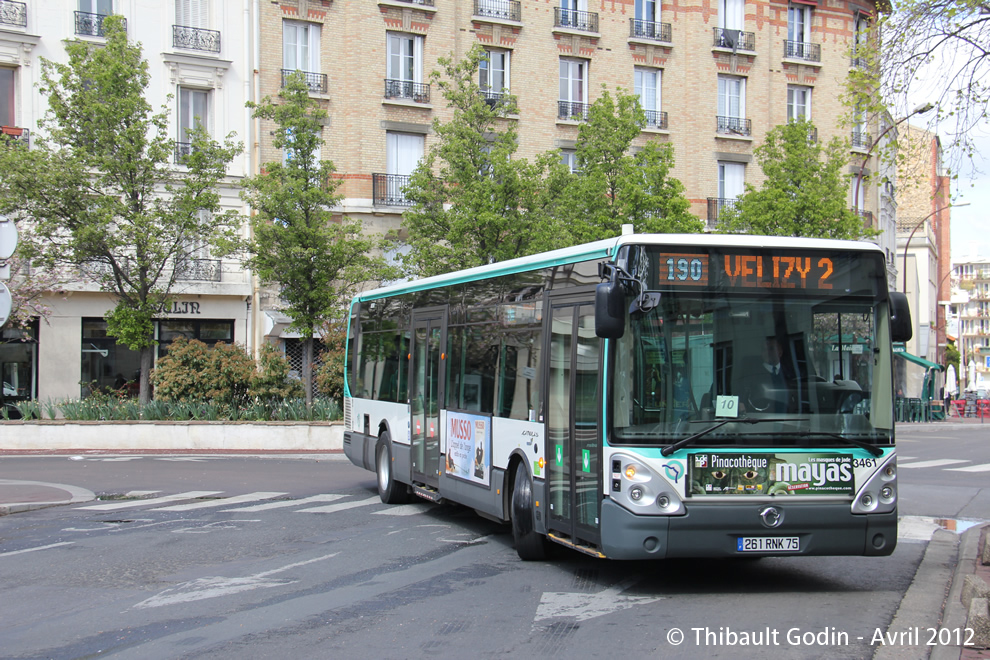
x=391 y=491
x=530 y=545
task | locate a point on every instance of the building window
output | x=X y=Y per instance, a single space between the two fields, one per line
x=646 y=10
x=731 y=177
x=7 y=116
x=192 y=13
x=301 y=46
x=732 y=106
x=402 y=154
x=861 y=26
x=573 y=99
x=209 y=332
x=799 y=23
x=89 y=18
x=107 y=365
x=194 y=110
x=405 y=57
x=493 y=74
x=18 y=366
x=647 y=87
x=569 y=158
x=731 y=14
x=798 y=102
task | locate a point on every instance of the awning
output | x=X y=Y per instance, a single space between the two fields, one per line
x=927 y=364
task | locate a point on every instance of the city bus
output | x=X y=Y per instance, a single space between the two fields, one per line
x=642 y=397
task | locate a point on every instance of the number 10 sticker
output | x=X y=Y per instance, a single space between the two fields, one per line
x=726 y=406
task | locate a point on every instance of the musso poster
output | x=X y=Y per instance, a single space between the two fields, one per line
x=469 y=447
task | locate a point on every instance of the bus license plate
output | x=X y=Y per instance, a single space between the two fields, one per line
x=768 y=544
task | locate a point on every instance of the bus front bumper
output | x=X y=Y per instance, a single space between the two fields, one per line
x=714 y=530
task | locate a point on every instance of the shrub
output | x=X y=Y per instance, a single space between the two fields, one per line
x=329 y=376
x=271 y=381
x=193 y=371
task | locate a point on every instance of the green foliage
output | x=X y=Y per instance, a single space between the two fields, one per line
x=473 y=203
x=272 y=381
x=195 y=372
x=952 y=355
x=133 y=326
x=317 y=260
x=802 y=194
x=100 y=188
x=615 y=186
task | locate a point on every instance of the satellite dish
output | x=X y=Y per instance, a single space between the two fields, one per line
x=5 y=303
x=8 y=237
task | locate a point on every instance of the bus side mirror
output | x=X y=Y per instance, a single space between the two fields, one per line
x=610 y=312
x=901 y=328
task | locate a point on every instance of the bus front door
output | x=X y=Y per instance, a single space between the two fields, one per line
x=573 y=438
x=425 y=394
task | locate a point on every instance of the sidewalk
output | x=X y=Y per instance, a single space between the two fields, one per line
x=16 y=496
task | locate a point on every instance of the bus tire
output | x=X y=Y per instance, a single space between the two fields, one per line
x=530 y=545
x=390 y=490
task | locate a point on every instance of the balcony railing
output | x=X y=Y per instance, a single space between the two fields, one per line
x=858 y=62
x=507 y=10
x=202 y=270
x=865 y=216
x=734 y=126
x=800 y=50
x=195 y=39
x=425 y=3
x=389 y=189
x=13 y=13
x=91 y=25
x=407 y=89
x=656 y=119
x=491 y=98
x=586 y=21
x=317 y=82
x=860 y=140
x=17 y=135
x=571 y=110
x=182 y=149
x=649 y=30
x=715 y=207
x=734 y=39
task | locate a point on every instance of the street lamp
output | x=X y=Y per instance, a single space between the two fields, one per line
x=918 y=110
x=916 y=228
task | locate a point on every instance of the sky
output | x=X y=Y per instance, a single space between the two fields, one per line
x=968 y=224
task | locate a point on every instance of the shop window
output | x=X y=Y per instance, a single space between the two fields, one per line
x=107 y=365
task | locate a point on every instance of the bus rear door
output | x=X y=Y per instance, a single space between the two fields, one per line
x=426 y=383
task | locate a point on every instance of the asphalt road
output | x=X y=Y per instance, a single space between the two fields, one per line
x=306 y=562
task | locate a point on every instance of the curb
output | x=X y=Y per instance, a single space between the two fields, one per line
x=956 y=614
x=75 y=495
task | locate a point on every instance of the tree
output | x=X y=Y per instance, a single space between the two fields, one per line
x=936 y=51
x=474 y=203
x=616 y=186
x=802 y=194
x=316 y=259
x=102 y=192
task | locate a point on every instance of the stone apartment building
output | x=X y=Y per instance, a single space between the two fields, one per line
x=713 y=76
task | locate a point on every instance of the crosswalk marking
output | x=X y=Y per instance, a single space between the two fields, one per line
x=114 y=506
x=936 y=463
x=343 y=506
x=284 y=503
x=239 y=499
x=971 y=468
x=403 y=510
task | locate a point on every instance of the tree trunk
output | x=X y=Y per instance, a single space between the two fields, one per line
x=144 y=380
x=307 y=369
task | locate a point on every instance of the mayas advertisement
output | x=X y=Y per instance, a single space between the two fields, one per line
x=771 y=474
x=469 y=447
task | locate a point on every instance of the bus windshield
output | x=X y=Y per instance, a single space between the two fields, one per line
x=798 y=369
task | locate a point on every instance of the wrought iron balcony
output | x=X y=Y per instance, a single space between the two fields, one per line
x=649 y=30
x=182 y=150
x=195 y=39
x=13 y=13
x=715 y=207
x=407 y=89
x=586 y=21
x=491 y=98
x=317 y=82
x=506 y=10
x=571 y=110
x=734 y=39
x=202 y=270
x=860 y=140
x=734 y=126
x=656 y=119
x=859 y=62
x=16 y=135
x=800 y=50
x=388 y=189
x=88 y=24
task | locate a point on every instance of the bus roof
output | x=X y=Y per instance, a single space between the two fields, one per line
x=607 y=248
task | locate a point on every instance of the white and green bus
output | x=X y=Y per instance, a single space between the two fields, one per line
x=642 y=397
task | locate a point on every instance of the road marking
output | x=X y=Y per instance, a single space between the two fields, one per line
x=284 y=503
x=334 y=508
x=113 y=506
x=588 y=606
x=971 y=468
x=250 y=497
x=42 y=547
x=403 y=510
x=936 y=463
x=214 y=587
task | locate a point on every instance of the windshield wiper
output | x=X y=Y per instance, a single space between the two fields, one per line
x=873 y=449
x=670 y=449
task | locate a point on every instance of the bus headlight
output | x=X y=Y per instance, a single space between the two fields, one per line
x=636 y=487
x=878 y=494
